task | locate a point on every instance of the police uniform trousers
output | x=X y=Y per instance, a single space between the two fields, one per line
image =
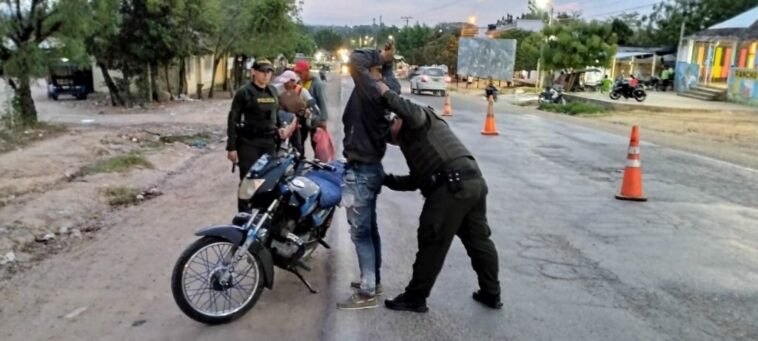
x=444 y=216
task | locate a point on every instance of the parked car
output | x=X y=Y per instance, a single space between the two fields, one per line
x=429 y=79
x=67 y=79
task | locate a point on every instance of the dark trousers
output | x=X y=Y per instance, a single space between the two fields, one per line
x=247 y=155
x=304 y=133
x=444 y=216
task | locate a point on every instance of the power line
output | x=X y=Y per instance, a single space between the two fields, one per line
x=625 y=9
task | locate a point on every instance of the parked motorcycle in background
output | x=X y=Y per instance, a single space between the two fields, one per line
x=552 y=95
x=221 y=276
x=623 y=88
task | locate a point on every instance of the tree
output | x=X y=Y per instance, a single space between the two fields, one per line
x=527 y=48
x=624 y=34
x=230 y=28
x=305 y=44
x=328 y=40
x=410 y=43
x=443 y=50
x=698 y=15
x=34 y=34
x=578 y=45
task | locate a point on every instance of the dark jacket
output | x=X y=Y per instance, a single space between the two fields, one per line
x=248 y=125
x=319 y=95
x=427 y=142
x=366 y=119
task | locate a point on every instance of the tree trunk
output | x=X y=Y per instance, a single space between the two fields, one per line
x=127 y=88
x=168 y=83
x=154 y=71
x=183 y=77
x=27 y=111
x=216 y=60
x=113 y=89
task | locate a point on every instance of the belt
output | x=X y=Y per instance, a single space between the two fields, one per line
x=450 y=177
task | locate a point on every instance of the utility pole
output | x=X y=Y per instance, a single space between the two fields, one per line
x=407 y=19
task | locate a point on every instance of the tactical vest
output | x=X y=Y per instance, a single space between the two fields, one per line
x=259 y=124
x=430 y=147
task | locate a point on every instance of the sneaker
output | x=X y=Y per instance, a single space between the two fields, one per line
x=492 y=301
x=358 y=301
x=403 y=302
x=379 y=291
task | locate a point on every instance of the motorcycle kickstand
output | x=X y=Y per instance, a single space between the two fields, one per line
x=302 y=279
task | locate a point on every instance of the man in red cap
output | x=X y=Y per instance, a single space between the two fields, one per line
x=317 y=90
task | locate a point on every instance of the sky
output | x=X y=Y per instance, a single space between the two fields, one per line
x=431 y=12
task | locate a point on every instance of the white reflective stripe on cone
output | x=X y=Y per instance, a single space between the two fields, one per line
x=634 y=163
x=634 y=150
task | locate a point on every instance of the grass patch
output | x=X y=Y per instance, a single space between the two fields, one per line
x=186 y=139
x=573 y=108
x=121 y=196
x=12 y=138
x=119 y=163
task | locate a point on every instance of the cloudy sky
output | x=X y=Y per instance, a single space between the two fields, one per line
x=358 y=12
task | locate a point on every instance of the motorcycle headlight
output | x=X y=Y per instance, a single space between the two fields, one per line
x=248 y=188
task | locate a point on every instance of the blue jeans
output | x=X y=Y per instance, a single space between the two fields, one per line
x=363 y=182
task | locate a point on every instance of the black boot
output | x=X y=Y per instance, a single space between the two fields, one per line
x=405 y=302
x=492 y=301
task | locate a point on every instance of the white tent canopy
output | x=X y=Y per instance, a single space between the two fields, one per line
x=743 y=20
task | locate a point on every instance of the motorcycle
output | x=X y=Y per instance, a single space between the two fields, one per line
x=626 y=90
x=291 y=201
x=552 y=95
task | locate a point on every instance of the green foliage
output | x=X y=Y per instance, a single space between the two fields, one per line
x=328 y=40
x=663 y=26
x=699 y=15
x=410 y=42
x=572 y=108
x=117 y=164
x=527 y=48
x=443 y=50
x=34 y=34
x=122 y=196
x=579 y=45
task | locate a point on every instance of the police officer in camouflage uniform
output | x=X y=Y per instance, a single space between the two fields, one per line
x=253 y=122
x=456 y=201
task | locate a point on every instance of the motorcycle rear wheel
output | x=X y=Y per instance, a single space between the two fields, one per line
x=199 y=292
x=615 y=95
x=640 y=97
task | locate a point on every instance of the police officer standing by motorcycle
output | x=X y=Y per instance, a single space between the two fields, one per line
x=456 y=201
x=253 y=123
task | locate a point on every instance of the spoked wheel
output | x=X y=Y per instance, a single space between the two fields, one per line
x=208 y=289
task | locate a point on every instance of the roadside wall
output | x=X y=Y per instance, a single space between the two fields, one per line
x=743 y=86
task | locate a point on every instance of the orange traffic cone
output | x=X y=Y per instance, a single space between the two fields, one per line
x=448 y=109
x=631 y=188
x=489 y=122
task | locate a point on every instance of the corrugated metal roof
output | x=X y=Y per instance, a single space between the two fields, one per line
x=744 y=20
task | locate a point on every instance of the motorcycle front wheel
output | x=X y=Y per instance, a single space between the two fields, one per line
x=208 y=290
x=615 y=95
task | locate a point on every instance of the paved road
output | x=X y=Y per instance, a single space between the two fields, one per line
x=576 y=264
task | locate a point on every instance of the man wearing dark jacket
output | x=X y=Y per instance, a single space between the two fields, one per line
x=456 y=202
x=366 y=123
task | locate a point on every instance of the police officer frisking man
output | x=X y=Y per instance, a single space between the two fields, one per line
x=456 y=201
x=253 y=125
